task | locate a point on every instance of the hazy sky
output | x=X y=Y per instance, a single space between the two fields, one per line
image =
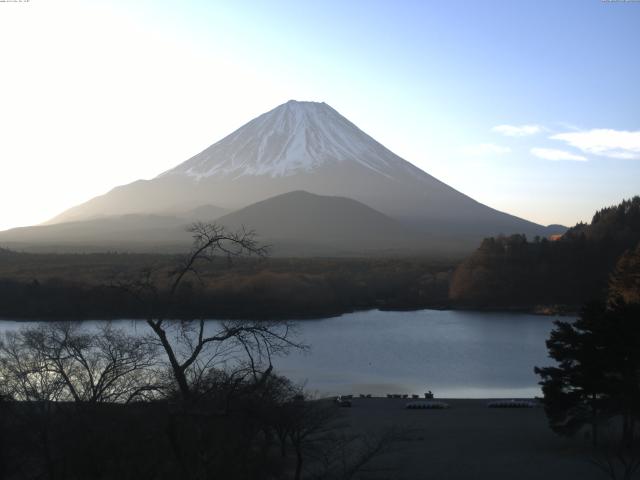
x=531 y=107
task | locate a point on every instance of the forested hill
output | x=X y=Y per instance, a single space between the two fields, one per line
x=512 y=271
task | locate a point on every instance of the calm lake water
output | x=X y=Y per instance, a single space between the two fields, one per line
x=453 y=353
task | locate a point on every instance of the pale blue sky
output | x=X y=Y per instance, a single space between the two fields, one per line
x=114 y=92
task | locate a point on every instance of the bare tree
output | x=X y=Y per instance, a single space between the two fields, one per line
x=326 y=447
x=618 y=460
x=64 y=362
x=48 y=365
x=621 y=463
x=190 y=347
x=25 y=373
x=344 y=456
x=309 y=423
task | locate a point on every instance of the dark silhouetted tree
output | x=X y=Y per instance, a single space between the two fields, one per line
x=64 y=361
x=191 y=348
x=575 y=391
x=597 y=379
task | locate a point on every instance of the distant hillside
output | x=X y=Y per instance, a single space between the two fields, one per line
x=515 y=272
x=293 y=224
x=133 y=232
x=303 y=223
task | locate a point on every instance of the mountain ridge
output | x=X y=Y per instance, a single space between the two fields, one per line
x=296 y=223
x=308 y=146
x=327 y=224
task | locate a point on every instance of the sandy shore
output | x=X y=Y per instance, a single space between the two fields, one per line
x=471 y=441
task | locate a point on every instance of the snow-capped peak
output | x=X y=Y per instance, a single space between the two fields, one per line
x=292 y=138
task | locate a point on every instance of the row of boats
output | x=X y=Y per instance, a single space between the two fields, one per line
x=429 y=403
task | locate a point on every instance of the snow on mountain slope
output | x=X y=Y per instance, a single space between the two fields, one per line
x=292 y=138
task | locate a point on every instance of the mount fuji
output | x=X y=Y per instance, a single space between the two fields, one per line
x=310 y=147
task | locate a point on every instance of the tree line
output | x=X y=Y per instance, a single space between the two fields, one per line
x=57 y=286
x=512 y=271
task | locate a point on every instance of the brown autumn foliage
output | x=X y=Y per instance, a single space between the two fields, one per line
x=85 y=285
x=625 y=280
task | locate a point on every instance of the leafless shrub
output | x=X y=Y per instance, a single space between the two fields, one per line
x=65 y=362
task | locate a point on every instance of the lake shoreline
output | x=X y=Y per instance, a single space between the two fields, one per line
x=545 y=311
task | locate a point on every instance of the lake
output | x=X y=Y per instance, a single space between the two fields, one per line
x=461 y=354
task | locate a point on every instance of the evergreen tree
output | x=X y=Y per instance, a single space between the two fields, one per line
x=598 y=373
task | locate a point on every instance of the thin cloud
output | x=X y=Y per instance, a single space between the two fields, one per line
x=604 y=142
x=517 y=130
x=556 y=155
x=483 y=149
